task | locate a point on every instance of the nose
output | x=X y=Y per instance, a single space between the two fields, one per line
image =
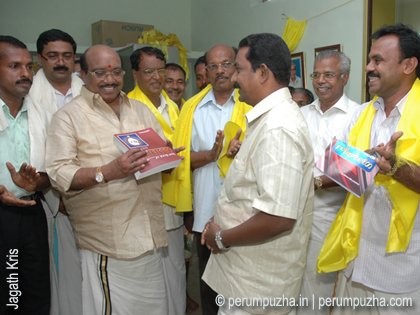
x=233 y=77
x=219 y=69
x=109 y=79
x=369 y=67
x=25 y=72
x=156 y=74
x=321 y=78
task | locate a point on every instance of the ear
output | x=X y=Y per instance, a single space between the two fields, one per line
x=264 y=73
x=83 y=75
x=134 y=72
x=410 y=65
x=346 y=78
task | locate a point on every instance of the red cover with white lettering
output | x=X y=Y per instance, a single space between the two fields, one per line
x=162 y=157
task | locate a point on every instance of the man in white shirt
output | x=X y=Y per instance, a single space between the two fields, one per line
x=378 y=249
x=148 y=67
x=327 y=117
x=54 y=86
x=263 y=214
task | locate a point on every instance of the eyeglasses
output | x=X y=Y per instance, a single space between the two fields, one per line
x=327 y=76
x=102 y=74
x=54 y=58
x=227 y=65
x=151 y=72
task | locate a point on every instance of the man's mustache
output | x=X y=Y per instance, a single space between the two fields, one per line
x=23 y=80
x=373 y=74
x=58 y=68
x=106 y=85
x=222 y=77
x=174 y=90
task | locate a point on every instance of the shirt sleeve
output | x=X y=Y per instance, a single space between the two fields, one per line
x=61 y=155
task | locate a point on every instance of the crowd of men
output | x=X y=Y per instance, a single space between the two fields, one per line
x=80 y=235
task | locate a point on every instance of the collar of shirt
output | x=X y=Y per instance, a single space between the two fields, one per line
x=342 y=104
x=5 y=112
x=268 y=103
x=69 y=92
x=163 y=104
x=379 y=104
x=93 y=99
x=209 y=98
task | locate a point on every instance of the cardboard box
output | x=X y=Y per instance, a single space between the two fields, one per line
x=117 y=34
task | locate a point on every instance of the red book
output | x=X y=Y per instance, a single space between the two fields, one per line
x=162 y=157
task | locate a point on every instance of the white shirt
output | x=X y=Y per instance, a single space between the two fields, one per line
x=173 y=220
x=272 y=173
x=63 y=99
x=323 y=127
x=208 y=118
x=297 y=84
x=373 y=267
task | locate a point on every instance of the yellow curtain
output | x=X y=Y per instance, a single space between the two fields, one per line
x=161 y=41
x=293 y=32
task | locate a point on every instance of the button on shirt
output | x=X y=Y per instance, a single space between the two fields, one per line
x=15 y=147
x=272 y=173
x=122 y=218
x=373 y=267
x=323 y=127
x=208 y=118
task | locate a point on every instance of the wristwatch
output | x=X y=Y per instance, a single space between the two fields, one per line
x=99 y=176
x=318 y=182
x=219 y=241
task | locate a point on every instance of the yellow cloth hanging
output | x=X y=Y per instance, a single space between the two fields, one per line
x=173 y=110
x=293 y=32
x=342 y=242
x=156 y=38
x=179 y=192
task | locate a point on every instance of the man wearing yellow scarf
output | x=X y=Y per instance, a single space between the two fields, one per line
x=148 y=67
x=375 y=239
x=200 y=128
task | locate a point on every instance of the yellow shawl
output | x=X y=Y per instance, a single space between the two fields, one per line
x=179 y=192
x=342 y=243
x=173 y=110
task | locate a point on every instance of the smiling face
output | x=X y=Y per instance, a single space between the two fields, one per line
x=59 y=71
x=150 y=85
x=246 y=78
x=175 y=85
x=15 y=72
x=329 y=91
x=385 y=69
x=106 y=59
x=220 y=79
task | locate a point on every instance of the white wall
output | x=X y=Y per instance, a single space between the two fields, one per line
x=199 y=24
x=228 y=21
x=26 y=19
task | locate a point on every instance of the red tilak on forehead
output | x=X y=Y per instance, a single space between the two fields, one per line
x=109 y=66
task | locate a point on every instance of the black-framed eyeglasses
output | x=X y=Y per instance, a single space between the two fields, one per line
x=227 y=65
x=54 y=58
x=102 y=74
x=151 y=72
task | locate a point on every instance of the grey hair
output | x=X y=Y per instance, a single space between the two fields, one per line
x=345 y=61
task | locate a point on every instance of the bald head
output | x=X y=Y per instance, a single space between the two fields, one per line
x=102 y=72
